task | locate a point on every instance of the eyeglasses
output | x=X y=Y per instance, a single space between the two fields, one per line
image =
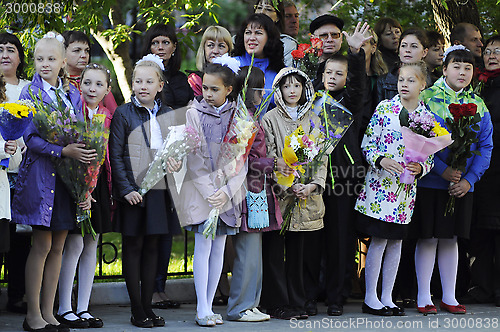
x=488 y=51
x=268 y=9
x=334 y=35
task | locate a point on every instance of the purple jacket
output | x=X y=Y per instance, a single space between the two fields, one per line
x=34 y=192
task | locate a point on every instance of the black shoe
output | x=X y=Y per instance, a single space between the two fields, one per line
x=61 y=327
x=301 y=313
x=409 y=303
x=147 y=322
x=94 y=322
x=311 y=308
x=169 y=304
x=158 y=321
x=220 y=300
x=47 y=328
x=74 y=324
x=385 y=311
x=19 y=307
x=283 y=313
x=335 y=310
x=398 y=311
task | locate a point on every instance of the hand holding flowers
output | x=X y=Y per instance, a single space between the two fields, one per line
x=10 y=147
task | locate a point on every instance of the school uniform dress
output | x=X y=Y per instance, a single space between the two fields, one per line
x=200 y=182
x=136 y=134
x=39 y=190
x=383 y=213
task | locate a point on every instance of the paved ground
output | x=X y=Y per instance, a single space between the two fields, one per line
x=480 y=317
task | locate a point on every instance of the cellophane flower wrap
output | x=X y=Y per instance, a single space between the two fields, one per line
x=181 y=140
x=233 y=154
x=422 y=136
x=335 y=121
x=58 y=124
x=306 y=57
x=14 y=119
x=464 y=127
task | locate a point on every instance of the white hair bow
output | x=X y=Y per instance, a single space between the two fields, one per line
x=453 y=48
x=153 y=58
x=231 y=63
x=52 y=34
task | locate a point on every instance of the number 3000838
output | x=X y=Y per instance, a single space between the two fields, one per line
x=33 y=8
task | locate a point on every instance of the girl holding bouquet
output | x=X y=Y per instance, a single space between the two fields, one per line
x=246 y=284
x=385 y=215
x=283 y=281
x=137 y=131
x=41 y=199
x=95 y=85
x=437 y=232
x=202 y=192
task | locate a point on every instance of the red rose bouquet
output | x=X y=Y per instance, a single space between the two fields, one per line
x=306 y=57
x=464 y=127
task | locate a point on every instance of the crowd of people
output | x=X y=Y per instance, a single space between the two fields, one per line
x=386 y=71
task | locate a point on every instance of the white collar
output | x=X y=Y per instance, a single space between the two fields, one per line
x=218 y=109
x=456 y=92
x=47 y=86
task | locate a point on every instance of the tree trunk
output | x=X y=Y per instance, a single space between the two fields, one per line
x=458 y=11
x=119 y=56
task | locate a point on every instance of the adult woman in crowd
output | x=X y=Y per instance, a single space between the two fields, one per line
x=216 y=41
x=277 y=14
x=258 y=35
x=161 y=40
x=389 y=32
x=12 y=65
x=485 y=233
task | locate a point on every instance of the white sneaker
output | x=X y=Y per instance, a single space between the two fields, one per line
x=249 y=316
x=258 y=313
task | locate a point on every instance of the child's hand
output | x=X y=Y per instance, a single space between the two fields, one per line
x=10 y=147
x=391 y=166
x=414 y=168
x=459 y=189
x=451 y=175
x=77 y=151
x=283 y=168
x=303 y=191
x=219 y=199
x=133 y=198
x=359 y=36
x=87 y=204
x=173 y=165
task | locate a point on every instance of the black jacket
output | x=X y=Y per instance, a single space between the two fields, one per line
x=486 y=190
x=391 y=58
x=352 y=97
x=387 y=85
x=176 y=91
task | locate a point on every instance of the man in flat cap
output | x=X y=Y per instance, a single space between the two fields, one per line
x=328 y=28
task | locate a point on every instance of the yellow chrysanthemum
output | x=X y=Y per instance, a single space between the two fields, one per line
x=438 y=130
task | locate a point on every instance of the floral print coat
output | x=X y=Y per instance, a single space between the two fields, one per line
x=383 y=138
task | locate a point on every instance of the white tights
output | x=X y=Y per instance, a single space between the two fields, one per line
x=83 y=250
x=425 y=256
x=207 y=267
x=392 y=249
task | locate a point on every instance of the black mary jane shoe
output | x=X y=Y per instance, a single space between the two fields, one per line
x=60 y=327
x=94 y=322
x=147 y=322
x=398 y=311
x=385 y=311
x=46 y=328
x=158 y=321
x=335 y=310
x=74 y=324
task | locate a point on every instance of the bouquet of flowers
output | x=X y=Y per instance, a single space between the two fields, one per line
x=59 y=125
x=180 y=141
x=233 y=154
x=423 y=136
x=306 y=57
x=14 y=119
x=335 y=120
x=464 y=127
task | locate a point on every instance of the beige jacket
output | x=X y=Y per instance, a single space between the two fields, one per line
x=278 y=124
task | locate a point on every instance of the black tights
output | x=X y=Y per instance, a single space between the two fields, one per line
x=140 y=257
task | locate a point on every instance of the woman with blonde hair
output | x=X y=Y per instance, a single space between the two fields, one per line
x=216 y=41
